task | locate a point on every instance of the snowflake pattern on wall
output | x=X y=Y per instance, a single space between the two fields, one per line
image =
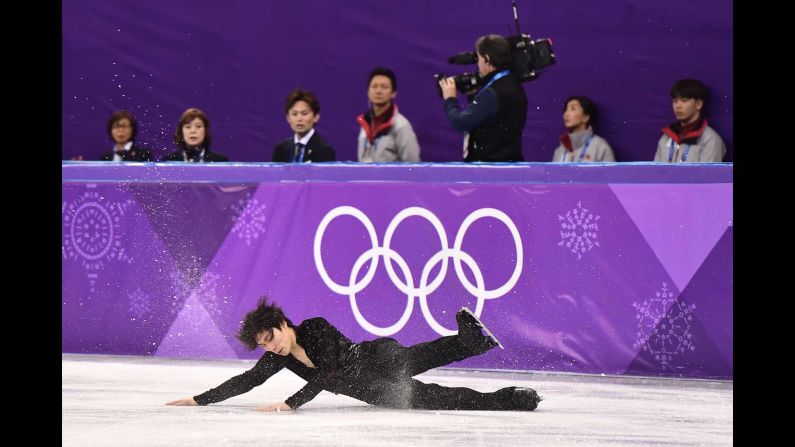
x=249 y=219
x=208 y=289
x=578 y=231
x=665 y=334
x=139 y=304
x=92 y=231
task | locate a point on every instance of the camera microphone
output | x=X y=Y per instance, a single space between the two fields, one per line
x=464 y=58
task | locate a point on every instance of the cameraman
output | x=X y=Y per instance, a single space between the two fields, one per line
x=498 y=112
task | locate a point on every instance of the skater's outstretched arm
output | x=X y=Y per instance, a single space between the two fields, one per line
x=267 y=366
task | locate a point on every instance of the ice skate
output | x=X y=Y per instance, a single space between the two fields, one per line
x=526 y=399
x=469 y=331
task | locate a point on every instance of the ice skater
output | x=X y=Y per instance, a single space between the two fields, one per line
x=379 y=372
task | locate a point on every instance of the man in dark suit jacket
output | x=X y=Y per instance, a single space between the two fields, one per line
x=315 y=150
x=306 y=145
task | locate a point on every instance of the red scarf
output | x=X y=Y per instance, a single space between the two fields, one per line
x=688 y=134
x=380 y=124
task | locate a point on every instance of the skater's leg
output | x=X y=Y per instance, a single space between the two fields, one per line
x=391 y=359
x=432 y=396
x=411 y=393
x=399 y=361
x=469 y=341
x=433 y=354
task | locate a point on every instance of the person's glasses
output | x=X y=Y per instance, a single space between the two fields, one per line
x=121 y=126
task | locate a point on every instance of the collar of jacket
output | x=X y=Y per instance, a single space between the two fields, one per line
x=388 y=121
x=575 y=139
x=675 y=131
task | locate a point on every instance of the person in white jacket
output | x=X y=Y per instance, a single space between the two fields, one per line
x=386 y=135
x=579 y=143
x=689 y=139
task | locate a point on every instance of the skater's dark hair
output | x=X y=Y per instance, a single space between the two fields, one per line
x=266 y=317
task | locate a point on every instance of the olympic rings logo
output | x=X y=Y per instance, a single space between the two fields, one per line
x=424 y=288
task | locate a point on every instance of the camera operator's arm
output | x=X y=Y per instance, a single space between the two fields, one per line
x=484 y=106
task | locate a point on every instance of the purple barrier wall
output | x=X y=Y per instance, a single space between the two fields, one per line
x=237 y=60
x=615 y=269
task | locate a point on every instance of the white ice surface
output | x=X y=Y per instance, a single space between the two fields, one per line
x=119 y=401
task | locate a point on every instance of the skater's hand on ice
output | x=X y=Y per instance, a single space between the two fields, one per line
x=281 y=406
x=189 y=402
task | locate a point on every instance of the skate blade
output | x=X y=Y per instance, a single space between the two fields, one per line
x=488 y=332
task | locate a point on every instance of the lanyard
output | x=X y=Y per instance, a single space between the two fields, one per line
x=671 y=152
x=496 y=77
x=582 y=154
